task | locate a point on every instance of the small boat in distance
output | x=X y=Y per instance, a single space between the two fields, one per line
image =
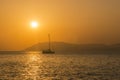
x=49 y=50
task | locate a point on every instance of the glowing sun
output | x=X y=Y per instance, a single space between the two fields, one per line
x=34 y=24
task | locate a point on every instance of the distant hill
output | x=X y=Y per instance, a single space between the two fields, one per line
x=61 y=47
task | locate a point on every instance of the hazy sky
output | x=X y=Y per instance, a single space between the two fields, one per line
x=75 y=21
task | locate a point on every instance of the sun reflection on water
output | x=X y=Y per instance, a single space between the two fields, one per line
x=34 y=56
x=34 y=61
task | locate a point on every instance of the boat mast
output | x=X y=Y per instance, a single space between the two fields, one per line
x=49 y=41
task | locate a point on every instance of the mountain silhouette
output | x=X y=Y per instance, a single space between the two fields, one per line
x=62 y=47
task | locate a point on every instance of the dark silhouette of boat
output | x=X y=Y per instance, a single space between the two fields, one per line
x=49 y=50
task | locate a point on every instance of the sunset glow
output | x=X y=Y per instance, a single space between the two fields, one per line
x=34 y=24
x=60 y=39
x=26 y=22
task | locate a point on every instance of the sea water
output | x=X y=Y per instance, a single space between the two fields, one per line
x=38 y=66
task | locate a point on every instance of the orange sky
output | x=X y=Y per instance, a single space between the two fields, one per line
x=75 y=21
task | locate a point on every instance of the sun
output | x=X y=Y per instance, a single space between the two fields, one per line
x=34 y=24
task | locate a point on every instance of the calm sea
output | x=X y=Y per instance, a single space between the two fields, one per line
x=38 y=66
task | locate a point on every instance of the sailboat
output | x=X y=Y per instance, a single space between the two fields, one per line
x=49 y=50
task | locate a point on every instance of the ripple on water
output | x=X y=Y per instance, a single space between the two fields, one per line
x=36 y=66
